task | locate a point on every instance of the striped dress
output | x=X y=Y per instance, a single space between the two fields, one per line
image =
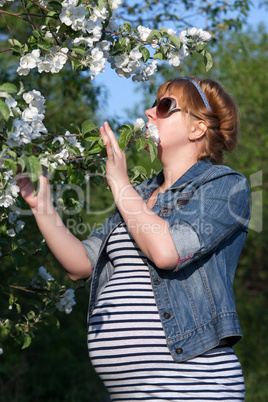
x=127 y=344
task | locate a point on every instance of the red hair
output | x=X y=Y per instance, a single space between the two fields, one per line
x=222 y=121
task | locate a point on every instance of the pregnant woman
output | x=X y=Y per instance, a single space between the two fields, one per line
x=162 y=319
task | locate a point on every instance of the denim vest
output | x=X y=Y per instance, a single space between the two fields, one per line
x=208 y=211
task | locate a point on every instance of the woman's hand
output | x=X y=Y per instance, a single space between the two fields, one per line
x=42 y=200
x=116 y=166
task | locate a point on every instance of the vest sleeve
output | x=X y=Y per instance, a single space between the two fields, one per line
x=217 y=209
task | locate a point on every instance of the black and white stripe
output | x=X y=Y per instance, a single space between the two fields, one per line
x=127 y=345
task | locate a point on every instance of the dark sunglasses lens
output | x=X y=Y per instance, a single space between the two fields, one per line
x=164 y=107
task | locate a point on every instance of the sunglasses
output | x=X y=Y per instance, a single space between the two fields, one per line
x=165 y=107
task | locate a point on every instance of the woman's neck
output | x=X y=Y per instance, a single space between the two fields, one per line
x=173 y=171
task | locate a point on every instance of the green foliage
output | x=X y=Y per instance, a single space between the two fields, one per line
x=28 y=306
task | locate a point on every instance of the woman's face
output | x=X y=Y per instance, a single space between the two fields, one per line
x=174 y=130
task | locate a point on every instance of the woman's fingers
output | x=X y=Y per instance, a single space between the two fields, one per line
x=108 y=136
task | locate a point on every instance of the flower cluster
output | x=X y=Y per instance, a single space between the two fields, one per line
x=131 y=65
x=66 y=302
x=15 y=225
x=175 y=56
x=94 y=38
x=42 y=272
x=52 y=62
x=29 y=125
x=9 y=189
x=66 y=144
x=151 y=132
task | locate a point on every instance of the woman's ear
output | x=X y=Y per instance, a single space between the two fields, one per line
x=198 y=130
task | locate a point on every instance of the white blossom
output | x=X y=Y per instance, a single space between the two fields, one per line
x=30 y=60
x=23 y=71
x=143 y=32
x=44 y=274
x=12 y=105
x=192 y=31
x=170 y=31
x=205 y=36
x=19 y=226
x=30 y=114
x=11 y=191
x=73 y=141
x=135 y=54
x=115 y=4
x=66 y=302
x=12 y=216
x=101 y=14
x=199 y=33
x=139 y=123
x=97 y=62
x=72 y=15
x=153 y=133
x=11 y=233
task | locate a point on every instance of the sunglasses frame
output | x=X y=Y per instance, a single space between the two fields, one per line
x=173 y=108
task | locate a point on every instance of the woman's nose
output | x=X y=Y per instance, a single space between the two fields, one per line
x=151 y=113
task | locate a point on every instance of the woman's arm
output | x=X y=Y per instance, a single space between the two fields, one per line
x=68 y=250
x=150 y=232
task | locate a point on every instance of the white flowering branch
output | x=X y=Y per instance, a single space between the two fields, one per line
x=87 y=35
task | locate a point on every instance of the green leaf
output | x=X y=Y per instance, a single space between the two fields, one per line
x=9 y=163
x=18 y=307
x=207 y=59
x=99 y=3
x=163 y=30
x=79 y=50
x=27 y=341
x=4 y=110
x=36 y=34
x=127 y=26
x=145 y=54
x=140 y=144
x=12 y=153
x=125 y=135
x=91 y=137
x=88 y=126
x=9 y=88
x=153 y=35
x=15 y=42
x=33 y=168
x=74 y=125
x=158 y=55
x=75 y=64
x=175 y=41
x=4 y=332
x=152 y=149
x=44 y=46
x=55 y=5
x=95 y=148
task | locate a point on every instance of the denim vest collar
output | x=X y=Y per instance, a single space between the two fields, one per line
x=147 y=187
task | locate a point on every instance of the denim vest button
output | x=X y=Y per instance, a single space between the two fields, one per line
x=166 y=315
x=179 y=351
x=156 y=281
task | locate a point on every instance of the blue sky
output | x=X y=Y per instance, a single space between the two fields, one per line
x=121 y=91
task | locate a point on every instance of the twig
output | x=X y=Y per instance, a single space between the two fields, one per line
x=39 y=5
x=13 y=15
x=24 y=289
x=6 y=50
x=8 y=31
x=63 y=135
x=30 y=20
